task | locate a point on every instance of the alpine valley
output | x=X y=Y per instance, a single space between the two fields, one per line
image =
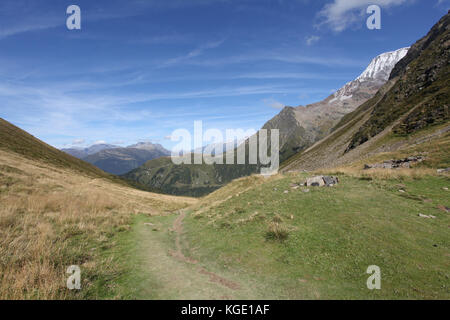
x=359 y=209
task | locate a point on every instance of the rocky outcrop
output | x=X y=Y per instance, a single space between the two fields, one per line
x=395 y=164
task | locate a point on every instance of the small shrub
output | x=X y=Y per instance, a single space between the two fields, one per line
x=277 y=232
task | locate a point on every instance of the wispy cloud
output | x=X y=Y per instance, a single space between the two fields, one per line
x=273 y=103
x=286 y=57
x=194 y=53
x=310 y=40
x=32 y=18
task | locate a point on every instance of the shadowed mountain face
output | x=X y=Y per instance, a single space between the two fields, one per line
x=416 y=97
x=118 y=160
x=301 y=126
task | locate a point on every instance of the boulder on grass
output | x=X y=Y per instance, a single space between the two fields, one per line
x=315 y=182
x=320 y=181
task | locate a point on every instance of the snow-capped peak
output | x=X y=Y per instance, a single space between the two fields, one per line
x=377 y=72
x=380 y=68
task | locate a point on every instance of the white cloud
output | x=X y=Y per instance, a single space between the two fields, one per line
x=340 y=14
x=194 y=53
x=273 y=103
x=311 y=40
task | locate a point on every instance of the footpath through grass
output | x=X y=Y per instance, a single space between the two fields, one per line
x=154 y=268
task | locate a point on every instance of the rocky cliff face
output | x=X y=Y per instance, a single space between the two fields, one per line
x=301 y=126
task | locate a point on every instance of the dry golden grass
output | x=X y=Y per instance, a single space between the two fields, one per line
x=383 y=174
x=51 y=218
x=277 y=231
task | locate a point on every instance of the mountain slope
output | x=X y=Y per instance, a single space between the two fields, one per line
x=301 y=126
x=190 y=180
x=14 y=139
x=415 y=98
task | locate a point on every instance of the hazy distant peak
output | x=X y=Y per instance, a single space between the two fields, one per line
x=146 y=146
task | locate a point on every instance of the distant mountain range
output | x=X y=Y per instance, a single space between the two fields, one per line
x=119 y=160
x=81 y=153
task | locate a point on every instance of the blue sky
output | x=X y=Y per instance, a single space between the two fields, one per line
x=137 y=70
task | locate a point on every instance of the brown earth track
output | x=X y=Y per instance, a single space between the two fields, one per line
x=178 y=254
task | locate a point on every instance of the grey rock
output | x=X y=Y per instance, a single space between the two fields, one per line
x=320 y=181
x=315 y=182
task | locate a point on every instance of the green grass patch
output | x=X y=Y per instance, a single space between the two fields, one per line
x=331 y=236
